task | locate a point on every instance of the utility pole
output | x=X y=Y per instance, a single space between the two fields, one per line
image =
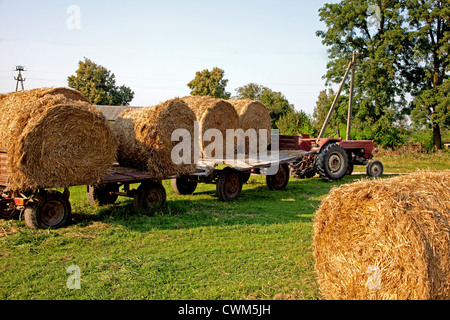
x=19 y=78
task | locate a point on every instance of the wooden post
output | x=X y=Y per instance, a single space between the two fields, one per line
x=335 y=101
x=350 y=100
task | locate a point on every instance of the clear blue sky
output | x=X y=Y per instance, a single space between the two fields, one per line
x=155 y=47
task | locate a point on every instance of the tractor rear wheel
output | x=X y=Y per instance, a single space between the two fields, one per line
x=332 y=163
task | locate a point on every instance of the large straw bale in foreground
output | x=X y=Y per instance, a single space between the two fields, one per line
x=253 y=115
x=145 y=138
x=213 y=113
x=385 y=239
x=54 y=138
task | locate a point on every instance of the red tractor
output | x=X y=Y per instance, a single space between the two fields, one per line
x=331 y=158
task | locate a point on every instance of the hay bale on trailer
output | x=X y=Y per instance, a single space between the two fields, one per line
x=213 y=113
x=253 y=115
x=145 y=138
x=385 y=239
x=54 y=138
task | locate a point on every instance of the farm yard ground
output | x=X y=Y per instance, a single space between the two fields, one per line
x=196 y=248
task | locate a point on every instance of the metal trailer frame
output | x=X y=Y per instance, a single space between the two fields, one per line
x=47 y=208
x=230 y=175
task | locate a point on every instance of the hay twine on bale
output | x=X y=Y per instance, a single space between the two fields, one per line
x=145 y=138
x=54 y=138
x=385 y=239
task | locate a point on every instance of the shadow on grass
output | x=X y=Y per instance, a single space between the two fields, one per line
x=256 y=205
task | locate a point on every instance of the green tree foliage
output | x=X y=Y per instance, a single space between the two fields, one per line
x=295 y=123
x=429 y=22
x=209 y=83
x=403 y=46
x=377 y=90
x=98 y=84
x=276 y=102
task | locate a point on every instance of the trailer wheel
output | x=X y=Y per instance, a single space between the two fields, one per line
x=374 y=169
x=150 y=195
x=183 y=186
x=229 y=185
x=280 y=180
x=49 y=210
x=99 y=195
x=245 y=176
x=332 y=163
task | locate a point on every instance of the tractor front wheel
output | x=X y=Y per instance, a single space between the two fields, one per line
x=374 y=169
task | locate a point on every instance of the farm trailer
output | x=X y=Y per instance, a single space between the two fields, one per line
x=48 y=208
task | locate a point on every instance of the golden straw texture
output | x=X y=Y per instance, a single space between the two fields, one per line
x=54 y=138
x=385 y=239
x=145 y=138
x=213 y=113
x=253 y=115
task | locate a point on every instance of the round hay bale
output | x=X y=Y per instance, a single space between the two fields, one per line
x=213 y=113
x=145 y=138
x=253 y=115
x=54 y=139
x=385 y=239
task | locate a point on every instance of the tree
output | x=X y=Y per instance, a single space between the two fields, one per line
x=381 y=50
x=429 y=21
x=404 y=51
x=295 y=123
x=209 y=83
x=250 y=91
x=98 y=84
x=276 y=102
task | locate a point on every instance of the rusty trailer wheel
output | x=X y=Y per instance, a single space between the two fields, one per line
x=49 y=210
x=280 y=180
x=183 y=186
x=229 y=185
x=150 y=195
x=100 y=195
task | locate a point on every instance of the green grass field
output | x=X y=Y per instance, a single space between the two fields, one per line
x=196 y=248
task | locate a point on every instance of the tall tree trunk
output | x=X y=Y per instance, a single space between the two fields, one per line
x=437 y=139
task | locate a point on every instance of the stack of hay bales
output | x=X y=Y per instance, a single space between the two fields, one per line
x=385 y=239
x=54 y=138
x=145 y=138
x=253 y=115
x=213 y=113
